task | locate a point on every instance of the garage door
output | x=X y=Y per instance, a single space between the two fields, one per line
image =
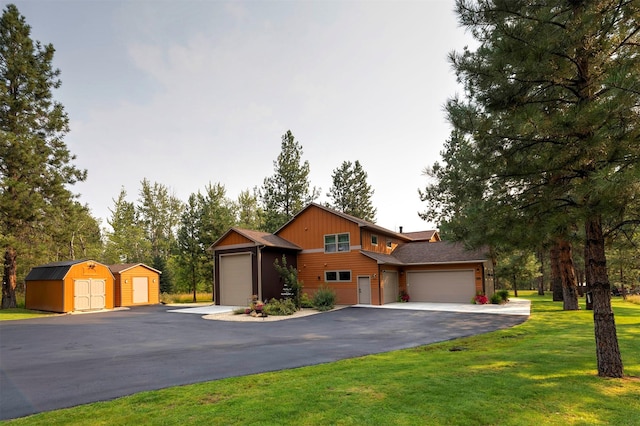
x=140 y=290
x=235 y=279
x=390 y=283
x=442 y=286
x=89 y=294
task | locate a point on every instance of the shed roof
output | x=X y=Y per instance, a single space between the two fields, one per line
x=122 y=267
x=52 y=271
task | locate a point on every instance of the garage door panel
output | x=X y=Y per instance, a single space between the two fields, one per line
x=236 y=278
x=390 y=282
x=442 y=286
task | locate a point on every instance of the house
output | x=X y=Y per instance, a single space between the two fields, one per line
x=136 y=284
x=74 y=285
x=362 y=262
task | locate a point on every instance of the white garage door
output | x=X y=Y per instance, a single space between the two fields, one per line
x=442 y=286
x=235 y=279
x=89 y=294
x=140 y=290
x=390 y=283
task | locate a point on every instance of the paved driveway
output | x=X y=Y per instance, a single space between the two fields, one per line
x=62 y=361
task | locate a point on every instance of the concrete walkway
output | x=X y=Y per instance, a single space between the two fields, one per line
x=514 y=307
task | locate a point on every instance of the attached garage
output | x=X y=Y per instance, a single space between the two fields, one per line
x=236 y=279
x=452 y=286
x=136 y=284
x=75 y=285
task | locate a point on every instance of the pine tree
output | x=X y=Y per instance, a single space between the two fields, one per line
x=350 y=192
x=35 y=164
x=287 y=191
x=549 y=122
x=126 y=241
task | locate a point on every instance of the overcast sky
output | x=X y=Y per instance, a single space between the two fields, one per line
x=185 y=93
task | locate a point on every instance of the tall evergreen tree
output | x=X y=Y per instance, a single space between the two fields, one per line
x=350 y=192
x=126 y=241
x=192 y=251
x=550 y=124
x=288 y=190
x=159 y=212
x=35 y=164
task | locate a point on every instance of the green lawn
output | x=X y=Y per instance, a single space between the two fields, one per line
x=542 y=372
x=21 y=313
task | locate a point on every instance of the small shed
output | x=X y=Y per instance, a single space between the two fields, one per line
x=73 y=285
x=136 y=284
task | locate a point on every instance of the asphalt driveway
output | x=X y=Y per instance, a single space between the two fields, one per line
x=63 y=361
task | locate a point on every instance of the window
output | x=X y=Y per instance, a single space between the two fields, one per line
x=374 y=240
x=336 y=243
x=389 y=244
x=337 y=276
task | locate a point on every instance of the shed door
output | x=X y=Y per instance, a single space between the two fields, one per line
x=390 y=283
x=236 y=279
x=140 y=290
x=442 y=286
x=89 y=294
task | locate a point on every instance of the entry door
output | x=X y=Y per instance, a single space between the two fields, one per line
x=140 y=290
x=390 y=282
x=89 y=294
x=364 y=290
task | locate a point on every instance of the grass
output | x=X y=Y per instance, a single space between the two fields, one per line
x=201 y=297
x=21 y=313
x=542 y=372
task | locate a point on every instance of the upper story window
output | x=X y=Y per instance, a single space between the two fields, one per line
x=389 y=244
x=336 y=243
x=374 y=240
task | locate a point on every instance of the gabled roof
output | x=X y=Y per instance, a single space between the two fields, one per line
x=418 y=253
x=422 y=235
x=52 y=271
x=122 y=267
x=361 y=223
x=381 y=258
x=260 y=238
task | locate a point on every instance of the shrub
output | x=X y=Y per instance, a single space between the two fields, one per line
x=324 y=299
x=495 y=299
x=305 y=301
x=504 y=295
x=280 y=307
x=480 y=299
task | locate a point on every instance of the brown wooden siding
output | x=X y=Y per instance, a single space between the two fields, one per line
x=309 y=229
x=381 y=247
x=271 y=284
x=312 y=266
x=234 y=238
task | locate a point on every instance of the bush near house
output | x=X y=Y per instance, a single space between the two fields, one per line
x=324 y=299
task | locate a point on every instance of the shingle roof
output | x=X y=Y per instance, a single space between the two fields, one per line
x=382 y=259
x=421 y=235
x=121 y=267
x=51 y=271
x=437 y=252
x=361 y=223
x=260 y=238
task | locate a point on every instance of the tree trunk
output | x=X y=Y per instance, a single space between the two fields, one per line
x=9 y=279
x=541 y=278
x=568 y=276
x=515 y=286
x=556 y=275
x=607 y=349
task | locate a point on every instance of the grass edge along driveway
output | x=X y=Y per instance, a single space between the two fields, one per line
x=540 y=372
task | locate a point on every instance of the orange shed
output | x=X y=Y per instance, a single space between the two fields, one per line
x=136 y=284
x=74 y=285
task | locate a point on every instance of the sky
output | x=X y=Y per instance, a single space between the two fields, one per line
x=187 y=93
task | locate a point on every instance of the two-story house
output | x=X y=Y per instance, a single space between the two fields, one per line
x=362 y=262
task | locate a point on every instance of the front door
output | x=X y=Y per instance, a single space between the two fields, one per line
x=364 y=291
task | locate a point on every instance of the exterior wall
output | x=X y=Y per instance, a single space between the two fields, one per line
x=310 y=227
x=381 y=247
x=234 y=238
x=478 y=269
x=308 y=231
x=270 y=282
x=84 y=271
x=254 y=270
x=124 y=286
x=45 y=295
